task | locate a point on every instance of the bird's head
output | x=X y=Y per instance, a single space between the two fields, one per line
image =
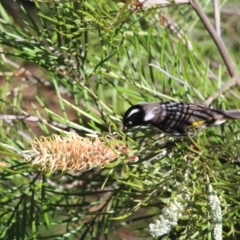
x=133 y=117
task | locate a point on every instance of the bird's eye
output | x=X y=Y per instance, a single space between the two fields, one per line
x=130 y=123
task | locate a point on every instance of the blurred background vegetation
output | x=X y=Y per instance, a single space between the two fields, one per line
x=81 y=64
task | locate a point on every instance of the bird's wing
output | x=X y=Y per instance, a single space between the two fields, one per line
x=202 y=116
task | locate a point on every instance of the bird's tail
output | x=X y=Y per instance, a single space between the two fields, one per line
x=232 y=114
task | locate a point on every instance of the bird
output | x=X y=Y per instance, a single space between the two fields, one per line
x=176 y=118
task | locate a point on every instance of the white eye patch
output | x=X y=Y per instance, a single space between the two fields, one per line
x=133 y=111
x=149 y=116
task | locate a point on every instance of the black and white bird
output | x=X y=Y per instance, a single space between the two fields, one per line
x=176 y=118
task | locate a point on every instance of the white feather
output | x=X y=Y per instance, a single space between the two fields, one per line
x=218 y=122
x=133 y=111
x=149 y=116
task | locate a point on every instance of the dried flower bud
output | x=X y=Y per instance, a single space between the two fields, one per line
x=73 y=153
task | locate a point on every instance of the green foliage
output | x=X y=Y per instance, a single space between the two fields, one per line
x=83 y=64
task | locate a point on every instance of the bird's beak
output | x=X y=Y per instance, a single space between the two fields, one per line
x=124 y=129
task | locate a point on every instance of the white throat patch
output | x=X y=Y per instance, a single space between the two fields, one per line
x=149 y=116
x=133 y=111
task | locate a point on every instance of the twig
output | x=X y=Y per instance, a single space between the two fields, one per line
x=53 y=124
x=175 y=29
x=18 y=151
x=218 y=41
x=176 y=79
x=217 y=17
x=215 y=34
x=149 y=3
x=230 y=11
x=21 y=71
x=232 y=82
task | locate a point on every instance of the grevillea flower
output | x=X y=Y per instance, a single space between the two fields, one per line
x=215 y=206
x=170 y=214
x=74 y=153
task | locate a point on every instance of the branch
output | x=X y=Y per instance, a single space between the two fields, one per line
x=232 y=82
x=217 y=17
x=218 y=41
